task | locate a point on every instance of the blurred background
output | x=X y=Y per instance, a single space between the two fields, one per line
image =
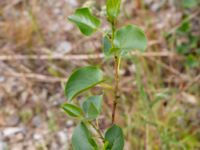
x=160 y=89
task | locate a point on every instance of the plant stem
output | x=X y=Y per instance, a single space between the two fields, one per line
x=113 y=33
x=98 y=131
x=116 y=68
x=116 y=88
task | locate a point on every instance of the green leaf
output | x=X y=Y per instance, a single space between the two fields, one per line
x=82 y=138
x=86 y=22
x=92 y=106
x=190 y=3
x=81 y=80
x=92 y=112
x=114 y=136
x=105 y=147
x=72 y=110
x=129 y=38
x=113 y=9
x=184 y=27
x=189 y=46
x=183 y=48
x=106 y=45
x=192 y=61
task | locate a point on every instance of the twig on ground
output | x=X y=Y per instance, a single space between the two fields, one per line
x=172 y=70
x=81 y=57
x=48 y=57
x=42 y=78
x=191 y=83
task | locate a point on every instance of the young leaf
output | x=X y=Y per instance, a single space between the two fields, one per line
x=86 y=22
x=92 y=112
x=82 y=138
x=129 y=38
x=81 y=80
x=106 y=46
x=92 y=106
x=72 y=110
x=113 y=9
x=115 y=138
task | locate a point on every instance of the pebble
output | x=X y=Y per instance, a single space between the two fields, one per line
x=54 y=146
x=36 y=121
x=12 y=120
x=73 y=3
x=63 y=47
x=8 y=132
x=62 y=136
x=37 y=137
x=69 y=123
x=2 y=78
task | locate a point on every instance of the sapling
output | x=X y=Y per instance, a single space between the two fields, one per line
x=116 y=43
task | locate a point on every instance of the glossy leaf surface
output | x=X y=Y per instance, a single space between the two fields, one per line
x=86 y=22
x=72 y=110
x=82 y=138
x=81 y=80
x=113 y=9
x=115 y=138
x=92 y=106
x=129 y=38
x=190 y=3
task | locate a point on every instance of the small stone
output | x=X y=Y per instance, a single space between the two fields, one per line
x=2 y=79
x=54 y=146
x=56 y=11
x=73 y=3
x=37 y=137
x=36 y=121
x=69 y=123
x=148 y=2
x=63 y=47
x=12 y=120
x=62 y=136
x=8 y=132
